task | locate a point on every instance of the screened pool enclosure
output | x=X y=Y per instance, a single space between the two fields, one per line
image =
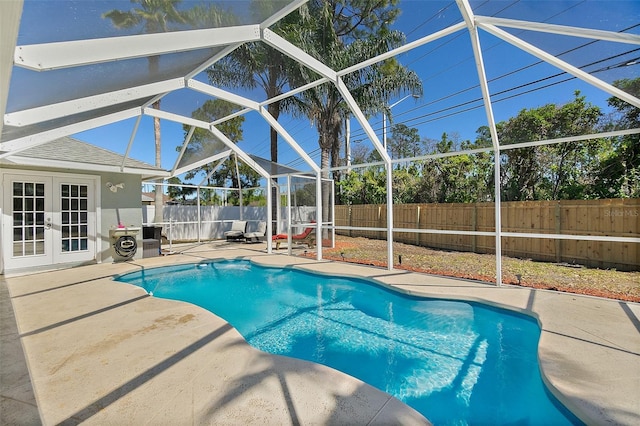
x=79 y=68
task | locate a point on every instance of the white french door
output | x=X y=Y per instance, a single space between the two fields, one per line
x=49 y=219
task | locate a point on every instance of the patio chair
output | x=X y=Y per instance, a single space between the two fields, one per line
x=236 y=233
x=307 y=237
x=260 y=234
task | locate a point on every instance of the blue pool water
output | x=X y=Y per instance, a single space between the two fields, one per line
x=455 y=362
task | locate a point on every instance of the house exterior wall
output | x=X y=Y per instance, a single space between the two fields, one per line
x=123 y=206
x=112 y=208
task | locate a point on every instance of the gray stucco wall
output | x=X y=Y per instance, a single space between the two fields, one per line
x=123 y=206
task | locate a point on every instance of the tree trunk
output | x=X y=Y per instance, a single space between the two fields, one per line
x=274 y=110
x=159 y=199
x=154 y=65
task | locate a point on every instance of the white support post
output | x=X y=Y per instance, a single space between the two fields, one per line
x=49 y=56
x=467 y=13
x=269 y=217
x=357 y=113
x=389 y=169
x=347 y=143
x=564 y=66
x=20 y=144
x=498 y=216
x=90 y=103
x=289 y=230
x=199 y=214
x=333 y=216
x=288 y=138
x=187 y=140
x=130 y=144
x=319 y=215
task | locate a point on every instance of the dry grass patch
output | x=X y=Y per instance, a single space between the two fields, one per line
x=561 y=277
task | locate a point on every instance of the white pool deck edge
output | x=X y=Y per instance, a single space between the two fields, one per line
x=104 y=352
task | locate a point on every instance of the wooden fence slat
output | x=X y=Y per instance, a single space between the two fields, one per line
x=610 y=217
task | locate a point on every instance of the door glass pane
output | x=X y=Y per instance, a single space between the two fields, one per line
x=29 y=248
x=17 y=188
x=74 y=204
x=28 y=211
x=17 y=249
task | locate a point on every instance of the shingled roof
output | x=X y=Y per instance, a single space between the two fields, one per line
x=71 y=153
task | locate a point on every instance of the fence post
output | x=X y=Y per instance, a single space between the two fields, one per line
x=474 y=227
x=558 y=242
x=379 y=221
x=418 y=226
x=350 y=215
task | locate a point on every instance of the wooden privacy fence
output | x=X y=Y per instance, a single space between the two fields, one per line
x=610 y=217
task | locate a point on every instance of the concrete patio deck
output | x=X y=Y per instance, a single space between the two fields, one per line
x=103 y=352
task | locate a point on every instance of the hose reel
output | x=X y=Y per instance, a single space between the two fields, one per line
x=126 y=246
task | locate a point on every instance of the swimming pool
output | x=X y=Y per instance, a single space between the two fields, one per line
x=455 y=362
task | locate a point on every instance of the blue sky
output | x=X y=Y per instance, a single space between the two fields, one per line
x=446 y=67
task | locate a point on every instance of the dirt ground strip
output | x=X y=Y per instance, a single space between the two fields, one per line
x=524 y=272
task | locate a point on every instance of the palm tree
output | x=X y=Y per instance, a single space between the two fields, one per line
x=154 y=16
x=371 y=87
x=257 y=65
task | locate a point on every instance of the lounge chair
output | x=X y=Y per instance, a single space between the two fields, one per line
x=307 y=237
x=236 y=233
x=260 y=234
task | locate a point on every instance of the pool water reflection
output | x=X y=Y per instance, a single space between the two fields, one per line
x=455 y=362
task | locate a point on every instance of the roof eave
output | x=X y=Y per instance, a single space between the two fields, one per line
x=61 y=164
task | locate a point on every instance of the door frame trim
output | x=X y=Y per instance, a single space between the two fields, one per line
x=95 y=179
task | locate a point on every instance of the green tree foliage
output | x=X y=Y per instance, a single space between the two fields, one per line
x=303 y=194
x=404 y=142
x=550 y=171
x=179 y=193
x=569 y=170
x=258 y=65
x=363 y=187
x=405 y=185
x=446 y=179
x=341 y=34
x=203 y=144
x=619 y=172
